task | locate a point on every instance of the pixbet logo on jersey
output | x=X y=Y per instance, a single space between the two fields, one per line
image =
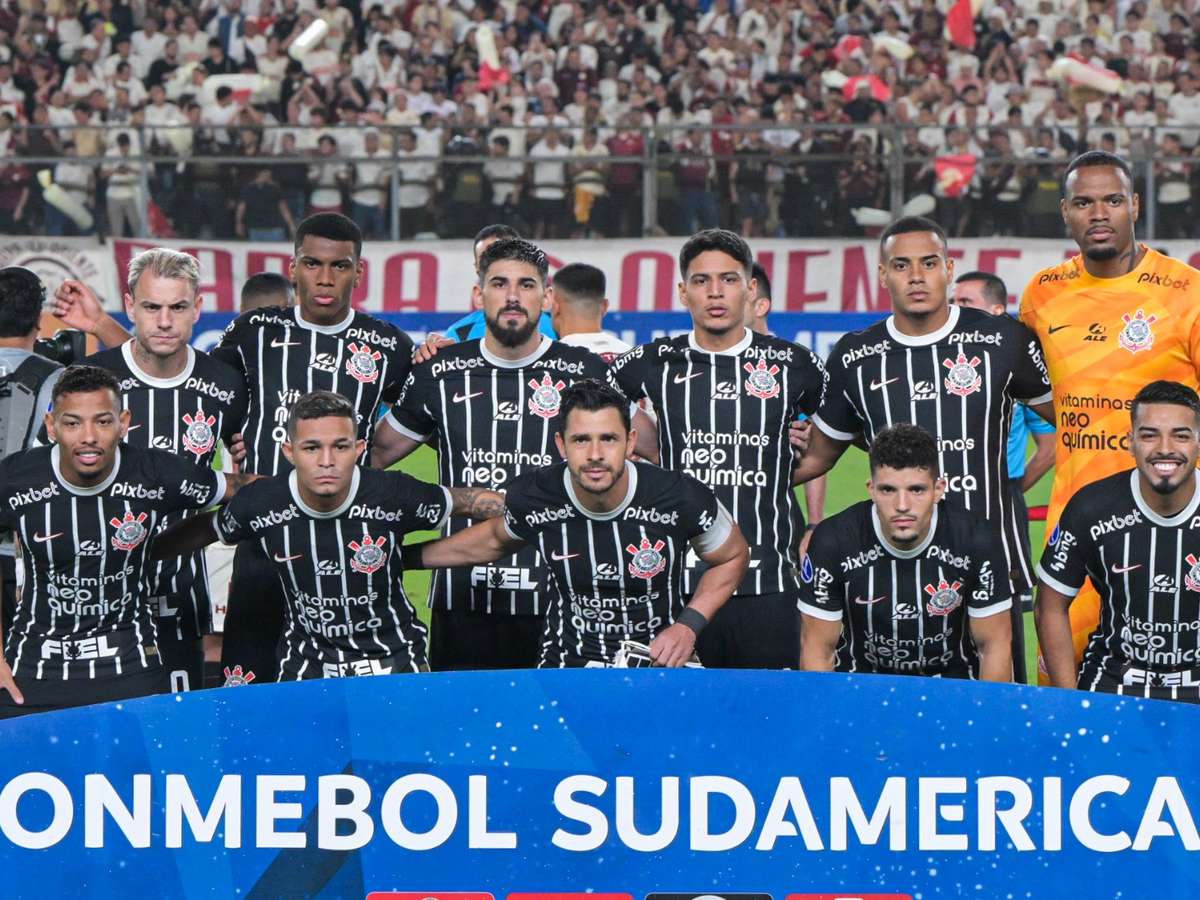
x=363 y=363
x=647 y=560
x=369 y=556
x=130 y=531
x=198 y=436
x=761 y=382
x=962 y=380
x=944 y=598
x=546 y=397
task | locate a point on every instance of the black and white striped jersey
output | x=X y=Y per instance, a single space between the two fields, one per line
x=959 y=384
x=282 y=357
x=84 y=612
x=617 y=575
x=723 y=419
x=1146 y=569
x=492 y=419
x=185 y=415
x=904 y=612
x=347 y=613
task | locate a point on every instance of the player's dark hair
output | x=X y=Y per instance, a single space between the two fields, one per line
x=591 y=395
x=759 y=274
x=1095 y=159
x=320 y=405
x=331 y=226
x=495 y=231
x=266 y=285
x=904 y=446
x=85 y=380
x=910 y=225
x=579 y=281
x=1171 y=392
x=994 y=289
x=22 y=296
x=716 y=239
x=515 y=249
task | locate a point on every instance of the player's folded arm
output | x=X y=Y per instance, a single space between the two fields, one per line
x=186 y=536
x=826 y=445
x=992 y=634
x=485 y=542
x=393 y=441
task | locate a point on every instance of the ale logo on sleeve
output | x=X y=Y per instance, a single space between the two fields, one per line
x=963 y=379
x=369 y=556
x=546 y=397
x=761 y=381
x=363 y=363
x=647 y=560
x=1137 y=334
x=944 y=598
x=130 y=531
x=198 y=436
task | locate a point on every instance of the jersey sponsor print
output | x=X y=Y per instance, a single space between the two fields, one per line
x=959 y=384
x=616 y=575
x=1146 y=569
x=904 y=611
x=492 y=419
x=84 y=612
x=723 y=419
x=347 y=612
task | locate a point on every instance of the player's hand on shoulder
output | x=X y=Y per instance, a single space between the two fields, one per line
x=673 y=646
x=428 y=350
x=799 y=434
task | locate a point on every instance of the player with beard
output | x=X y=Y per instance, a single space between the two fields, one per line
x=333 y=531
x=614 y=534
x=906 y=583
x=282 y=353
x=955 y=372
x=725 y=397
x=490 y=407
x=1111 y=319
x=85 y=512
x=1135 y=535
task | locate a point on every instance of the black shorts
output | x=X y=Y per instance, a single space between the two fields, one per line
x=753 y=632
x=8 y=594
x=46 y=694
x=463 y=639
x=182 y=658
x=254 y=618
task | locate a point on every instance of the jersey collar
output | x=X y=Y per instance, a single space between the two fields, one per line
x=324 y=329
x=152 y=381
x=896 y=551
x=630 y=470
x=84 y=491
x=736 y=349
x=1179 y=518
x=923 y=340
x=294 y=487
x=502 y=363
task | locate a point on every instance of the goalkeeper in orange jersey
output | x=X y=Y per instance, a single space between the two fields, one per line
x=1111 y=320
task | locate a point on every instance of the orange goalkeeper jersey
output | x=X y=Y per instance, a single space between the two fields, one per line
x=1104 y=339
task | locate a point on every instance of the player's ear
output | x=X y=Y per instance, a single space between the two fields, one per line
x=1062 y=208
x=358 y=271
x=48 y=421
x=683 y=298
x=603 y=307
x=949 y=269
x=631 y=443
x=360 y=447
x=286 y=446
x=128 y=306
x=1135 y=208
x=558 y=442
x=124 y=418
x=476 y=296
x=291 y=273
x=939 y=489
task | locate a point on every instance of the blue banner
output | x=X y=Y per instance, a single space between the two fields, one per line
x=612 y=781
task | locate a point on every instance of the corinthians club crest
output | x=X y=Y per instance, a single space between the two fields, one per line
x=647 y=560
x=198 y=437
x=1192 y=579
x=760 y=381
x=369 y=555
x=363 y=363
x=943 y=599
x=1137 y=334
x=130 y=531
x=545 y=398
x=963 y=379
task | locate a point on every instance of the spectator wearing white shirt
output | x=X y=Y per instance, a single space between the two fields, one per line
x=123 y=79
x=193 y=43
x=504 y=175
x=149 y=43
x=328 y=176
x=1184 y=109
x=417 y=180
x=369 y=196
x=589 y=178
x=548 y=180
x=122 y=172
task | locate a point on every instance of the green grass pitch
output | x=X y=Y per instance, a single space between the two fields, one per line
x=847 y=485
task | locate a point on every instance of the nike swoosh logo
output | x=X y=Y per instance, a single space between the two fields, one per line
x=1118 y=570
x=562 y=556
x=861 y=602
x=1054 y=328
x=459 y=398
x=680 y=379
x=42 y=538
x=279 y=343
x=876 y=385
x=279 y=558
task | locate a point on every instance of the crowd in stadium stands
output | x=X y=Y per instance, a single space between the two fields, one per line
x=724 y=100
